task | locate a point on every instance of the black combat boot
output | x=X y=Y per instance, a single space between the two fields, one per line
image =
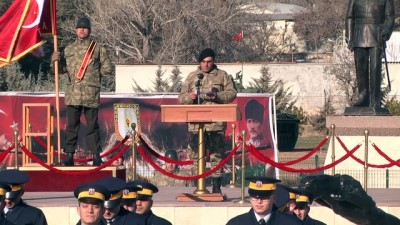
x=97 y=159
x=216 y=184
x=69 y=161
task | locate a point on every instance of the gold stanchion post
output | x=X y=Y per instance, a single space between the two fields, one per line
x=16 y=148
x=242 y=199
x=233 y=180
x=366 y=133
x=201 y=182
x=134 y=145
x=333 y=146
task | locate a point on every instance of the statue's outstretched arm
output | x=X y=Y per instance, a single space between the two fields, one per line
x=346 y=197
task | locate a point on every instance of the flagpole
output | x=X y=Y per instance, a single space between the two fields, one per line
x=56 y=81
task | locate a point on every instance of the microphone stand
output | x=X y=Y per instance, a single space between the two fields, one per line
x=198 y=84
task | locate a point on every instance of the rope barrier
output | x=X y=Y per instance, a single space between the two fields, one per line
x=362 y=162
x=322 y=143
x=4 y=154
x=74 y=173
x=165 y=159
x=264 y=159
x=205 y=174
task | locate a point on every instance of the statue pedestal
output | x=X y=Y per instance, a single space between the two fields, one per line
x=366 y=111
x=384 y=133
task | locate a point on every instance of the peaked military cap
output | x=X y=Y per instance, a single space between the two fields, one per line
x=91 y=193
x=148 y=189
x=115 y=186
x=16 y=179
x=4 y=188
x=130 y=193
x=284 y=194
x=303 y=198
x=262 y=186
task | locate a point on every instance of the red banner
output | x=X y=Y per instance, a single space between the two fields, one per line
x=255 y=108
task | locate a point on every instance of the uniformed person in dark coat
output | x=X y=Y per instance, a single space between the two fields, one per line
x=16 y=210
x=263 y=211
x=302 y=209
x=114 y=213
x=144 y=202
x=129 y=196
x=285 y=198
x=369 y=23
x=4 y=188
x=91 y=197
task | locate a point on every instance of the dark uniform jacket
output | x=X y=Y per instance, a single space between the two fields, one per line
x=85 y=92
x=125 y=217
x=102 y=222
x=4 y=221
x=311 y=221
x=23 y=214
x=277 y=218
x=369 y=22
x=150 y=219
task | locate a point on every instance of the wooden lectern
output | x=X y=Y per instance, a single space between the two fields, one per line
x=200 y=114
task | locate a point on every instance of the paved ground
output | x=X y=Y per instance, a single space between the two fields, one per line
x=167 y=197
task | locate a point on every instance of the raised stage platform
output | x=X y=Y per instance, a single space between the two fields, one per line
x=60 y=207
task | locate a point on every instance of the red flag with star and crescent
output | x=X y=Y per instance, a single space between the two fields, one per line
x=21 y=28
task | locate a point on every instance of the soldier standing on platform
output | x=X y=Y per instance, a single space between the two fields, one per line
x=129 y=196
x=144 y=202
x=16 y=210
x=369 y=24
x=91 y=199
x=162 y=180
x=85 y=61
x=216 y=87
x=4 y=188
x=114 y=213
x=263 y=211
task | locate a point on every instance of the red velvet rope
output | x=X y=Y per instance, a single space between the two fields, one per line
x=288 y=163
x=4 y=154
x=113 y=149
x=165 y=159
x=74 y=173
x=265 y=159
x=205 y=174
x=394 y=162
x=363 y=162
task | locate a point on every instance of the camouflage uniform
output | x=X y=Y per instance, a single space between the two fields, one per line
x=161 y=180
x=219 y=81
x=84 y=94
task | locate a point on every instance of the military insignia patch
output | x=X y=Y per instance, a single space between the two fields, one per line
x=126 y=119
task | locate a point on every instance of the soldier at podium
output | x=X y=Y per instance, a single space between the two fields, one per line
x=209 y=85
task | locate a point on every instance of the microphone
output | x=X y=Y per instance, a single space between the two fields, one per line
x=200 y=76
x=133 y=126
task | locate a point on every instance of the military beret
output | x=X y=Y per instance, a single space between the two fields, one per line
x=148 y=189
x=254 y=110
x=261 y=186
x=16 y=179
x=91 y=193
x=115 y=186
x=208 y=52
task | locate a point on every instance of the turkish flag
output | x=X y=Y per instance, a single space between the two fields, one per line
x=238 y=36
x=20 y=29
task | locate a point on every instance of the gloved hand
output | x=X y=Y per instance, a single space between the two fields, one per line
x=347 y=198
x=55 y=57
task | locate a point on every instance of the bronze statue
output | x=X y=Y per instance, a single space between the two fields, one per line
x=369 y=24
x=346 y=197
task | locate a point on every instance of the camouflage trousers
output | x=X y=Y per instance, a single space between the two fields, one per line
x=214 y=144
